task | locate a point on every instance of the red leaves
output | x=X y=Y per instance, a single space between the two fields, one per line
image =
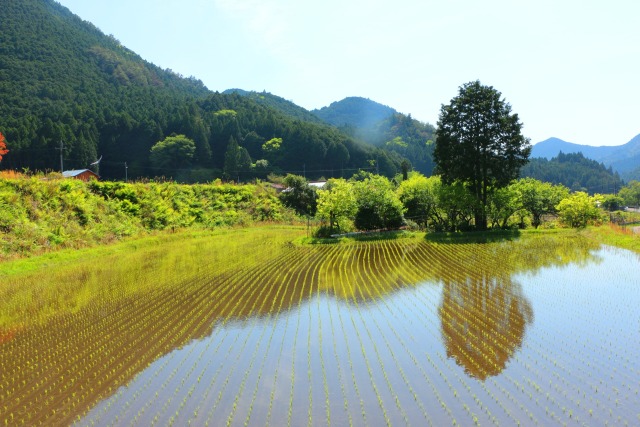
x=3 y=146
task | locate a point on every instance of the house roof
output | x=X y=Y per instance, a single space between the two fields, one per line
x=76 y=172
x=317 y=184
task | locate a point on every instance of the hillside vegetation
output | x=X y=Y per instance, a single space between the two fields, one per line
x=384 y=127
x=43 y=213
x=624 y=159
x=65 y=85
x=574 y=171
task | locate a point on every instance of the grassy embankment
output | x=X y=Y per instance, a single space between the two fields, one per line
x=41 y=214
x=48 y=214
x=614 y=235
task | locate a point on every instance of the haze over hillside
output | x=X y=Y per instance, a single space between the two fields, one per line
x=68 y=86
x=69 y=89
x=354 y=111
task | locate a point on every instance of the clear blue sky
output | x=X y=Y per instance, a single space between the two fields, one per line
x=569 y=68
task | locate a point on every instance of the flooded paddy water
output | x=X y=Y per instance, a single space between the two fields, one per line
x=248 y=329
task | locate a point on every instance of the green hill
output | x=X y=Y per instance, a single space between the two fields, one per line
x=409 y=138
x=383 y=127
x=63 y=83
x=574 y=171
x=278 y=103
x=354 y=111
x=62 y=80
x=624 y=159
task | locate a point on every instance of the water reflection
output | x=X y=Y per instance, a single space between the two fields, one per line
x=484 y=313
x=94 y=337
x=483 y=322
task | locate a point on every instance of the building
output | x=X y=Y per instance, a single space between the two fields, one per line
x=81 y=174
x=318 y=185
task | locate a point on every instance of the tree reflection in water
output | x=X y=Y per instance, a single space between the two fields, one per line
x=483 y=322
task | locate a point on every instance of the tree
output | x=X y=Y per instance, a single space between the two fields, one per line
x=539 y=198
x=272 y=150
x=478 y=142
x=299 y=195
x=630 y=193
x=578 y=210
x=173 y=152
x=455 y=207
x=378 y=204
x=611 y=202
x=337 y=203
x=503 y=203
x=405 y=165
x=418 y=194
x=3 y=146
x=237 y=161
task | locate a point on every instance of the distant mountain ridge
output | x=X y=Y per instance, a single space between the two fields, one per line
x=575 y=171
x=354 y=111
x=68 y=91
x=276 y=102
x=624 y=159
x=366 y=120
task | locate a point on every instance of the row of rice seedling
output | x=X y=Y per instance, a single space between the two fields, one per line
x=586 y=368
x=247 y=296
x=400 y=310
x=390 y=332
x=76 y=348
x=232 y=287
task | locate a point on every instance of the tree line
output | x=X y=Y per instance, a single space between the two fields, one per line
x=368 y=202
x=479 y=152
x=69 y=91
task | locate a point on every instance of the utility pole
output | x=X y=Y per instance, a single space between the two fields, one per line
x=304 y=170
x=126 y=174
x=61 y=152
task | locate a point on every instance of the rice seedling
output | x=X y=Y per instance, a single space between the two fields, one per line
x=243 y=327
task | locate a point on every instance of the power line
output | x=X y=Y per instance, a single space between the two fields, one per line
x=61 y=155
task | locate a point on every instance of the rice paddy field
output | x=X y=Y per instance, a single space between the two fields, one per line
x=247 y=328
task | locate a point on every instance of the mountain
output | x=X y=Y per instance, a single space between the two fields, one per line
x=574 y=171
x=550 y=148
x=624 y=159
x=68 y=90
x=384 y=127
x=356 y=112
x=409 y=138
x=62 y=81
x=286 y=107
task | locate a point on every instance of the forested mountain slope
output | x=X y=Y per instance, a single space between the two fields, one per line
x=383 y=126
x=354 y=111
x=63 y=83
x=624 y=159
x=575 y=171
x=62 y=80
x=278 y=103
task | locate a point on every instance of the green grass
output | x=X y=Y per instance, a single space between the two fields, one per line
x=116 y=271
x=361 y=237
x=63 y=257
x=615 y=236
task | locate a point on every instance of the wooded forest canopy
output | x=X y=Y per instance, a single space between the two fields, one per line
x=479 y=143
x=67 y=90
x=67 y=87
x=576 y=172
